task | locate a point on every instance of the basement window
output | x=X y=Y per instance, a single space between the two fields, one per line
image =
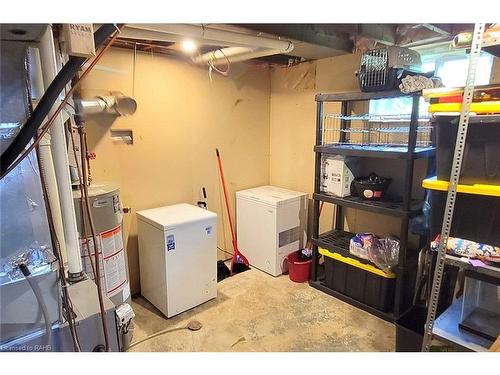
x=451 y=68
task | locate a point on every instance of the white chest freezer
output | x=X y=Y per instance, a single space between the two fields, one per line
x=177 y=256
x=271 y=223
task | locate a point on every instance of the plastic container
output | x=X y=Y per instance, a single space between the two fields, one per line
x=480 y=313
x=481 y=160
x=372 y=187
x=476 y=217
x=298 y=271
x=410 y=329
x=362 y=282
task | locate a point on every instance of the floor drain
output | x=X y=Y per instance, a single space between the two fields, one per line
x=194 y=325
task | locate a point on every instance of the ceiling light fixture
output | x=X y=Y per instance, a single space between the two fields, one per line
x=189 y=46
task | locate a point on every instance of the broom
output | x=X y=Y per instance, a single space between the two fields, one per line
x=239 y=263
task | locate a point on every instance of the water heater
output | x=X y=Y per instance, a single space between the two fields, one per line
x=108 y=221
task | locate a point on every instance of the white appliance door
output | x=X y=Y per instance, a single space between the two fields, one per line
x=256 y=222
x=191 y=265
x=292 y=217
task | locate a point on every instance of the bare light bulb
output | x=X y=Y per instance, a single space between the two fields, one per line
x=189 y=46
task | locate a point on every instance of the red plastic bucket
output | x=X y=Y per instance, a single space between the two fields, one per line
x=298 y=271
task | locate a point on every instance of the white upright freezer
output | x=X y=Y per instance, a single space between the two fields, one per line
x=271 y=223
x=177 y=256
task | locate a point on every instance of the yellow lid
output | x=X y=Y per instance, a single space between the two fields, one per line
x=442 y=92
x=482 y=107
x=490 y=190
x=357 y=263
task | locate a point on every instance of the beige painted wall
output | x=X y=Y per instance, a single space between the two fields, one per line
x=181 y=118
x=263 y=122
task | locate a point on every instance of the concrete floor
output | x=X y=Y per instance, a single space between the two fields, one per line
x=257 y=312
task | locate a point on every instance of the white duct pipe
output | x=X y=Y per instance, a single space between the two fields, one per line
x=221 y=57
x=254 y=46
x=132 y=33
x=47 y=168
x=222 y=36
x=61 y=164
x=223 y=54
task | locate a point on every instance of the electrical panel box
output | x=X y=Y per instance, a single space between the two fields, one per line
x=271 y=223
x=79 y=39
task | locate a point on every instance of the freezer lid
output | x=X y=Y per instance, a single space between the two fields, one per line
x=169 y=217
x=272 y=195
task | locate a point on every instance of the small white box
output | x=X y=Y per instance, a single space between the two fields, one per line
x=79 y=38
x=336 y=177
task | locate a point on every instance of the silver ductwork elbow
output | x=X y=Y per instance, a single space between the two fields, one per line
x=120 y=105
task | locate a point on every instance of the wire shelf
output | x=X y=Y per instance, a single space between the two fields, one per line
x=373 y=130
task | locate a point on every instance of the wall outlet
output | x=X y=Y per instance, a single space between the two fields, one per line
x=124 y=136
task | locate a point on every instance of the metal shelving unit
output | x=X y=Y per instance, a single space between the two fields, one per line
x=337 y=240
x=446 y=326
x=390 y=208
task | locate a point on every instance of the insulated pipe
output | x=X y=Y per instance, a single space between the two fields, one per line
x=61 y=162
x=47 y=169
x=223 y=36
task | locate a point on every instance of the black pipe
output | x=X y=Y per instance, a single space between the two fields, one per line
x=30 y=128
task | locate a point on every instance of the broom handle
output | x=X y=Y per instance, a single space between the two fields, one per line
x=223 y=181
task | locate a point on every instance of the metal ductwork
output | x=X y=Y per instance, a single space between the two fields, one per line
x=234 y=54
x=120 y=105
x=240 y=46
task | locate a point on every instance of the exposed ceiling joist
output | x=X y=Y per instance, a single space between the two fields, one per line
x=382 y=33
x=442 y=29
x=319 y=34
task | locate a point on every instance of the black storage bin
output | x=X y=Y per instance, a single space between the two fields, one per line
x=358 y=283
x=475 y=218
x=481 y=160
x=410 y=329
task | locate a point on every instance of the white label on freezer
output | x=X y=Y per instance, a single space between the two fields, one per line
x=170 y=242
